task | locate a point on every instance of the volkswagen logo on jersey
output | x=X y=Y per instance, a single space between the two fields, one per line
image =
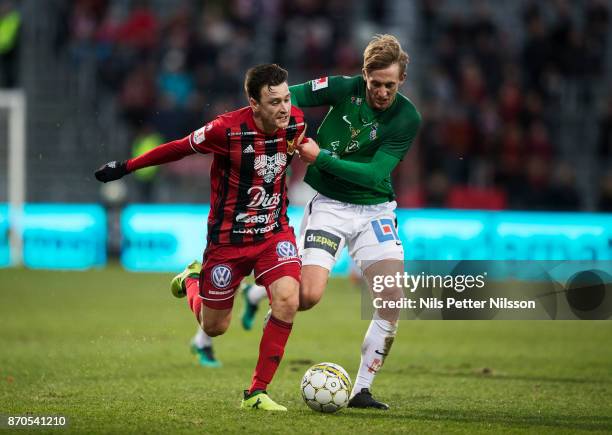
x=221 y=276
x=286 y=249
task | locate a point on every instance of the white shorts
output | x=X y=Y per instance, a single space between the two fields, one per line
x=369 y=232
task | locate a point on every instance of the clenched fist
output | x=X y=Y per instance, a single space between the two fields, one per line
x=309 y=150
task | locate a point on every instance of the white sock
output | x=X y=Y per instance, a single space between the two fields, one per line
x=201 y=340
x=256 y=293
x=375 y=348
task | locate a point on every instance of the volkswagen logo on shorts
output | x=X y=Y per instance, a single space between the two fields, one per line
x=286 y=249
x=221 y=276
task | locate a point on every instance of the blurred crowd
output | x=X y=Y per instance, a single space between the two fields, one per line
x=10 y=29
x=492 y=108
x=489 y=96
x=174 y=69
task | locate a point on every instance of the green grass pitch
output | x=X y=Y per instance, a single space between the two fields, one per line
x=109 y=350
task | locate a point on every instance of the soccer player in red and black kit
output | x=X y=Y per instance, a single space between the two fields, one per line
x=248 y=227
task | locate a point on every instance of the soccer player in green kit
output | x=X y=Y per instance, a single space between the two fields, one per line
x=369 y=128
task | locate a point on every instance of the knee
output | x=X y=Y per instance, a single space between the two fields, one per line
x=215 y=329
x=287 y=298
x=305 y=304
x=310 y=294
x=393 y=294
x=307 y=301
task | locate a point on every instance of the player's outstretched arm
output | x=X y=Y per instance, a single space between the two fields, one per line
x=165 y=153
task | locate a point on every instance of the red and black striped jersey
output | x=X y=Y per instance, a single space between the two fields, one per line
x=248 y=190
x=248 y=200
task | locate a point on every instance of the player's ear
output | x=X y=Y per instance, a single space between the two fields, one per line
x=402 y=79
x=364 y=73
x=254 y=104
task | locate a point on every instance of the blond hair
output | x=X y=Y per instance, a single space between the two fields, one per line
x=382 y=52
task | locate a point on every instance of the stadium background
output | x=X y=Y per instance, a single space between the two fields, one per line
x=517 y=109
x=516 y=102
x=515 y=99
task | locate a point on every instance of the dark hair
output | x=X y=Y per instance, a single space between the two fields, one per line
x=268 y=74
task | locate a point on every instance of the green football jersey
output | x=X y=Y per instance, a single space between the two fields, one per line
x=354 y=132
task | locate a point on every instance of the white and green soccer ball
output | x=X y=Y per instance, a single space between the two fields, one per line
x=326 y=387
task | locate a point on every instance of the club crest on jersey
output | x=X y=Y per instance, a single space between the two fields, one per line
x=320 y=83
x=221 y=276
x=269 y=167
x=290 y=146
x=373 y=131
x=286 y=249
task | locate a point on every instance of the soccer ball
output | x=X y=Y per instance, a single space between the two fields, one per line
x=326 y=387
